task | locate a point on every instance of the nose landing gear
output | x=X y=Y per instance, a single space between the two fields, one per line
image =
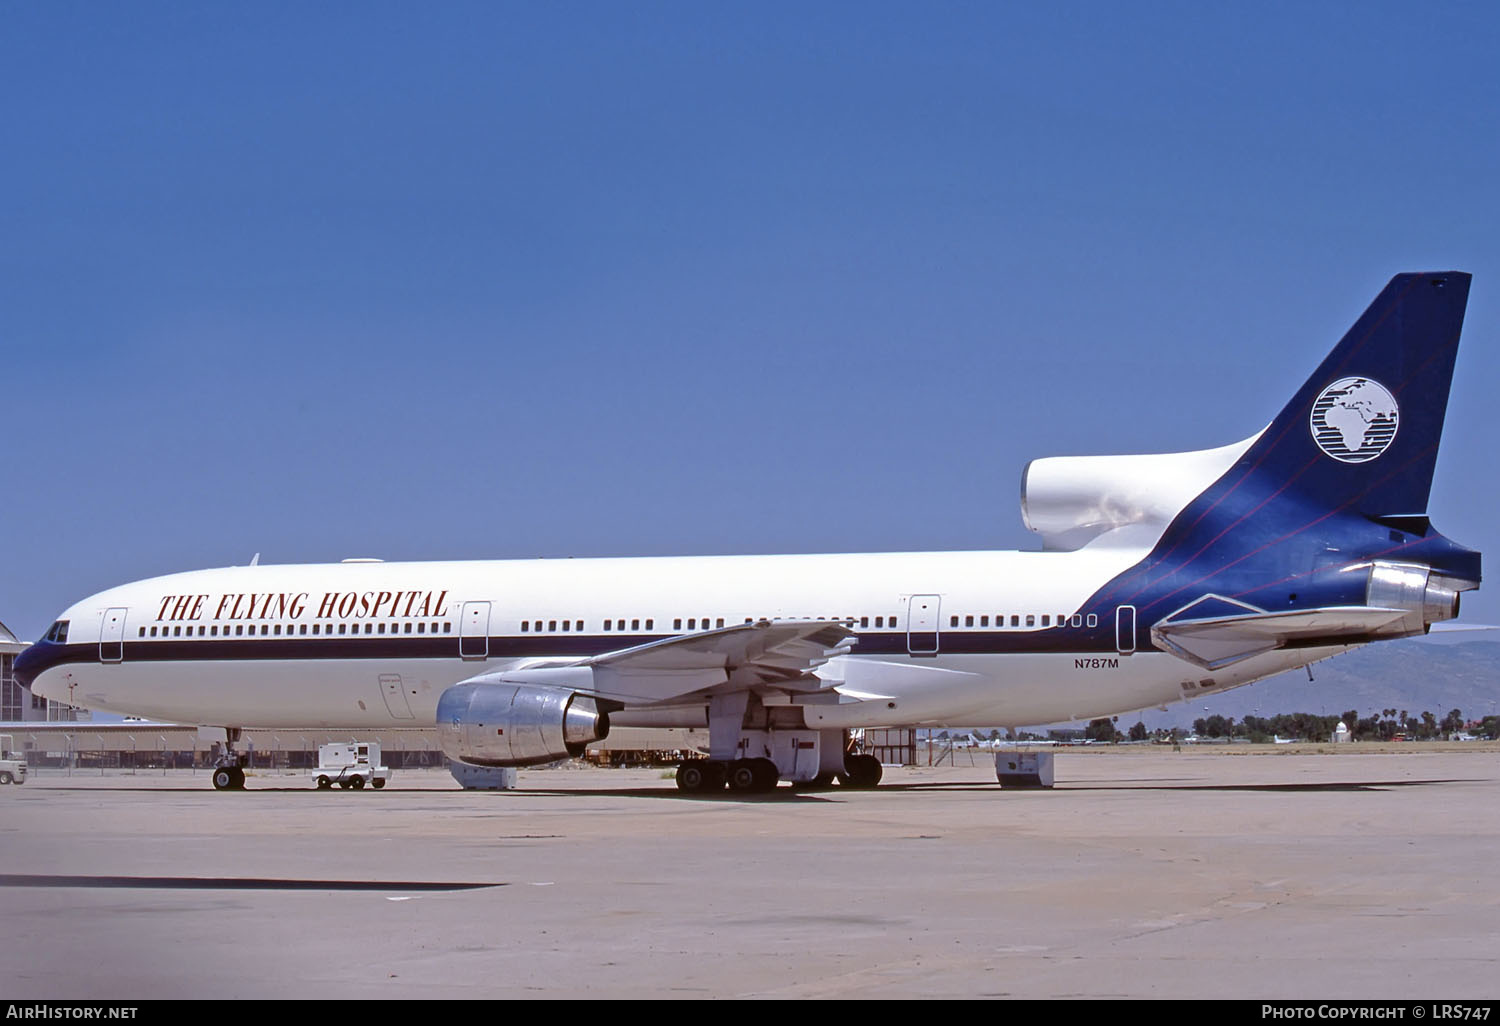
x=229 y=762
x=229 y=778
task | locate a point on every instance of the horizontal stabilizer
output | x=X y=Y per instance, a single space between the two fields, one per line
x=1219 y=641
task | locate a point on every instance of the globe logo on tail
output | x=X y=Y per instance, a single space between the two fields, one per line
x=1354 y=420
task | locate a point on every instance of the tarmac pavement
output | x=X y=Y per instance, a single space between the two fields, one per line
x=1212 y=873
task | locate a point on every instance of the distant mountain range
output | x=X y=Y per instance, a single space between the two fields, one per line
x=1436 y=673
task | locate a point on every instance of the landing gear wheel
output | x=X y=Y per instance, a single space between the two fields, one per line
x=743 y=775
x=753 y=776
x=692 y=776
x=860 y=771
x=699 y=775
x=324 y=783
x=239 y=778
x=358 y=783
x=767 y=775
x=224 y=779
x=377 y=783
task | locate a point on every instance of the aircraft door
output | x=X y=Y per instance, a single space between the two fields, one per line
x=922 y=624
x=395 y=697
x=112 y=636
x=1125 y=629
x=474 y=630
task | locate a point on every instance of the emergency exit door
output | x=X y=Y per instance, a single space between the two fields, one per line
x=922 y=624
x=474 y=630
x=1125 y=629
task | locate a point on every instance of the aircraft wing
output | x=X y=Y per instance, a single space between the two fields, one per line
x=1215 y=642
x=768 y=654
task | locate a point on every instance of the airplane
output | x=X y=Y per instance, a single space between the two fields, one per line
x=1160 y=578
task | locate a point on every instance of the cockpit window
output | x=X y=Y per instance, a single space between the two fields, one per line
x=58 y=632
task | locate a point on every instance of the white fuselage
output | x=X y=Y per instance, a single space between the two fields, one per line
x=369 y=644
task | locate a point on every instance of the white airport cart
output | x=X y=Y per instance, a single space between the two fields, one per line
x=354 y=764
x=12 y=762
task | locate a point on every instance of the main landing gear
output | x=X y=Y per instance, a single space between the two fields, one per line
x=748 y=776
x=751 y=747
x=758 y=776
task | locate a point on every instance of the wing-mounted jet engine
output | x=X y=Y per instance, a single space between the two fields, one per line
x=494 y=723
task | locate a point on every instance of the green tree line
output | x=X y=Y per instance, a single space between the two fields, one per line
x=1387 y=725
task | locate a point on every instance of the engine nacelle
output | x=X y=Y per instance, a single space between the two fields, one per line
x=1427 y=597
x=517 y=724
x=1072 y=500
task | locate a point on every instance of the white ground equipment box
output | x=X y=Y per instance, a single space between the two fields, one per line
x=1023 y=769
x=351 y=765
x=12 y=762
x=483 y=778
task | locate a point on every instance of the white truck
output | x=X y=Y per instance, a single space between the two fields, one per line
x=12 y=762
x=354 y=764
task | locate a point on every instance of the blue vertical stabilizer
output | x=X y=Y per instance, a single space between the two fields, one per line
x=1338 y=482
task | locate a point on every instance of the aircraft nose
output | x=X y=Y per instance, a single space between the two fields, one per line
x=30 y=663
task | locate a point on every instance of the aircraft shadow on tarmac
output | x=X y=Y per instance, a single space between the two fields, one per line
x=1320 y=787
x=780 y=794
x=230 y=883
x=1325 y=786
x=791 y=794
x=785 y=794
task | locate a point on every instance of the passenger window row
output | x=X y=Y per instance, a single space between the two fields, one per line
x=537 y=626
x=325 y=629
x=695 y=623
x=691 y=623
x=1062 y=620
x=577 y=626
x=294 y=629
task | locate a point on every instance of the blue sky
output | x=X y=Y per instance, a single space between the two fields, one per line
x=487 y=280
